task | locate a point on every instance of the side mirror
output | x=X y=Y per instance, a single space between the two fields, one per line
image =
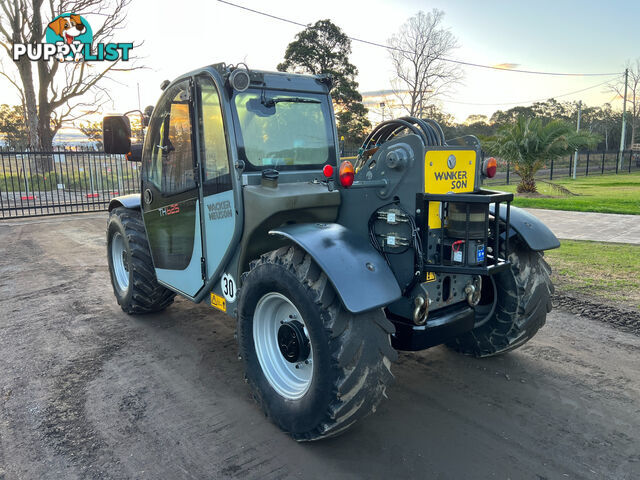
x=135 y=153
x=116 y=134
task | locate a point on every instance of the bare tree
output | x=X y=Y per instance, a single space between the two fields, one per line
x=418 y=52
x=54 y=93
x=633 y=95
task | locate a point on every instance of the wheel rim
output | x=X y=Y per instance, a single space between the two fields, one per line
x=276 y=314
x=119 y=262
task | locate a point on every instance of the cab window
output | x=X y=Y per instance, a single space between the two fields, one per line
x=214 y=153
x=170 y=167
x=284 y=130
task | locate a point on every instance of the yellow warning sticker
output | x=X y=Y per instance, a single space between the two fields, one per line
x=218 y=302
x=431 y=277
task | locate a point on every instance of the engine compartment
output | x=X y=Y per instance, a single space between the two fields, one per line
x=420 y=203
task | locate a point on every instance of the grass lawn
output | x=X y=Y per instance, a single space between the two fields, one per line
x=602 y=193
x=606 y=270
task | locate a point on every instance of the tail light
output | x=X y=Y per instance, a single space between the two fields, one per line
x=489 y=167
x=327 y=171
x=346 y=174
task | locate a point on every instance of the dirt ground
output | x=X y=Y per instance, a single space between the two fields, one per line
x=88 y=392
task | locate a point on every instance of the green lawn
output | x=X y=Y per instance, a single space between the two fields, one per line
x=602 y=193
x=595 y=269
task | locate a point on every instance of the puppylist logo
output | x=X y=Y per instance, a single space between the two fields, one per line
x=69 y=36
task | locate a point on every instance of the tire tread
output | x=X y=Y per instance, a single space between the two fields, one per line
x=522 y=310
x=361 y=353
x=147 y=294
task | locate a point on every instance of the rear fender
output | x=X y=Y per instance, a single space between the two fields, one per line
x=535 y=233
x=359 y=274
x=131 y=201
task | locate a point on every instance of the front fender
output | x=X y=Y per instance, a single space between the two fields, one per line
x=359 y=274
x=128 y=201
x=531 y=229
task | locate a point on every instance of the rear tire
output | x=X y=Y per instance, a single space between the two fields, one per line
x=350 y=354
x=523 y=301
x=130 y=265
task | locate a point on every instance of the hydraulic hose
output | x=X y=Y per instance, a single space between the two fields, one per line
x=429 y=132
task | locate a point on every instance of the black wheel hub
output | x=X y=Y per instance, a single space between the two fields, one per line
x=293 y=343
x=125 y=261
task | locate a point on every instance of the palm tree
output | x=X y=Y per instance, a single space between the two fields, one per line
x=528 y=144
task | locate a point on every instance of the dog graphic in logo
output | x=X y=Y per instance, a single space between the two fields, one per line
x=71 y=29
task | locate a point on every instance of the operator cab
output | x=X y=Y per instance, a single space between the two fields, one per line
x=218 y=137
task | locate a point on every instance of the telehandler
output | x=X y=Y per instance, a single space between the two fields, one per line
x=328 y=265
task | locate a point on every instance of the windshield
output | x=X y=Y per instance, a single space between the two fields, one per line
x=284 y=130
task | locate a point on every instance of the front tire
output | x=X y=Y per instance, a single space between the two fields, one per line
x=523 y=299
x=132 y=274
x=290 y=315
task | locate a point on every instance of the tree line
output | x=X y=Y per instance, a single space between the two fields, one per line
x=602 y=121
x=418 y=53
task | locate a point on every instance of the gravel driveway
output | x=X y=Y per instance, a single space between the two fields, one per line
x=88 y=392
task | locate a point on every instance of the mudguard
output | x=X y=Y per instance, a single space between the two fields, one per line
x=360 y=275
x=128 y=201
x=535 y=233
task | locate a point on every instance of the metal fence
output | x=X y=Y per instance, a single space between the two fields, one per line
x=589 y=163
x=61 y=181
x=74 y=180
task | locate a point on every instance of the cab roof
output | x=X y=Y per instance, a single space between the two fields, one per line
x=282 y=80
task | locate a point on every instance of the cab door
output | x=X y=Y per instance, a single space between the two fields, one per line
x=170 y=204
x=218 y=204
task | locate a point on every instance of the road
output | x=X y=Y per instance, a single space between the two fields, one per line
x=89 y=392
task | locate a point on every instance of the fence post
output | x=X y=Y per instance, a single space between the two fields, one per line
x=24 y=173
x=603 y=154
x=551 y=171
x=587 y=172
x=617 y=163
x=6 y=187
x=630 y=155
x=508 y=168
x=90 y=173
x=118 y=166
x=570 y=170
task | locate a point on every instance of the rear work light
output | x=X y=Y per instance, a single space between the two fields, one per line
x=489 y=167
x=346 y=174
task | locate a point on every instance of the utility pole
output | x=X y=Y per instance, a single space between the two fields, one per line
x=575 y=155
x=624 y=118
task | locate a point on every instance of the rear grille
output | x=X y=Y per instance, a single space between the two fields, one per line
x=465 y=221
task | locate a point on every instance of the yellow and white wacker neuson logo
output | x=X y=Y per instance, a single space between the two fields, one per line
x=448 y=171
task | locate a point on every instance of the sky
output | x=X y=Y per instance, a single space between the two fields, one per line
x=558 y=36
